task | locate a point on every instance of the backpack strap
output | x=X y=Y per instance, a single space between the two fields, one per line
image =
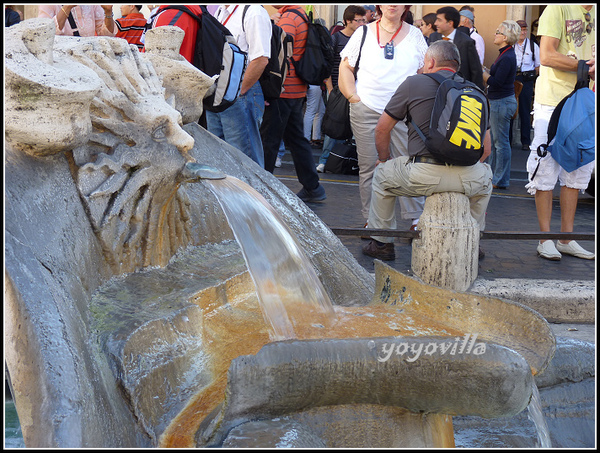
x=439 y=79
x=364 y=36
x=244 y=17
x=583 y=75
x=300 y=14
x=184 y=9
x=532 y=48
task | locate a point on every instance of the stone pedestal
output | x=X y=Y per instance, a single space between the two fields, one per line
x=447 y=252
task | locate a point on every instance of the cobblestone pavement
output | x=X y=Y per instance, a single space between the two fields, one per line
x=511 y=210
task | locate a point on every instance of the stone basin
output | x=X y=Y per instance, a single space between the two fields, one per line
x=131 y=320
x=194 y=353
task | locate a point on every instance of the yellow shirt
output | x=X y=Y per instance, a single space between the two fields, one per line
x=568 y=24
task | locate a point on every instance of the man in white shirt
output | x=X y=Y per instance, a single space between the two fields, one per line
x=528 y=67
x=239 y=125
x=467 y=19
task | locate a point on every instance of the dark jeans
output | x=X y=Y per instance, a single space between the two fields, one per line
x=284 y=118
x=525 y=107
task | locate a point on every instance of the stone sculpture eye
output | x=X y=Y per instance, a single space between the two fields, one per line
x=160 y=133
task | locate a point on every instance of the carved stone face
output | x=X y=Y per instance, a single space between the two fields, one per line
x=103 y=100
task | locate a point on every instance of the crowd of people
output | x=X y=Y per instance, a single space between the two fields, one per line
x=383 y=88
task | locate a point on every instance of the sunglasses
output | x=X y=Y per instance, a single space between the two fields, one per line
x=360 y=21
x=590 y=26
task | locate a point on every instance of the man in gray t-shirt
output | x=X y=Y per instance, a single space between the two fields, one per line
x=419 y=173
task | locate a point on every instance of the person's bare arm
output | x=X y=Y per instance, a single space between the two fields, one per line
x=487 y=146
x=383 y=133
x=253 y=72
x=346 y=81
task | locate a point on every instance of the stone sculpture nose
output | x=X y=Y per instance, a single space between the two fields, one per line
x=182 y=140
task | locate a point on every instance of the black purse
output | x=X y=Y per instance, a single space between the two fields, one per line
x=336 y=119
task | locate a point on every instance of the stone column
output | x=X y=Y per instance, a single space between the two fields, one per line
x=515 y=12
x=447 y=253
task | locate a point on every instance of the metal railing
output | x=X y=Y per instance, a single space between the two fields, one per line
x=340 y=231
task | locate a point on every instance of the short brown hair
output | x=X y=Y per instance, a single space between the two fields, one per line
x=352 y=11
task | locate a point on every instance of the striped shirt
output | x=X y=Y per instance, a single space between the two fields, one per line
x=132 y=28
x=297 y=27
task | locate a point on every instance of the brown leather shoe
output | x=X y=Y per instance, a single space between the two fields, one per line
x=383 y=252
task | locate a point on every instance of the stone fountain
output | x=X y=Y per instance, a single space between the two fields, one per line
x=132 y=318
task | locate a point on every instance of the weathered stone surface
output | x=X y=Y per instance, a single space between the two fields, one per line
x=277 y=433
x=182 y=81
x=495 y=320
x=446 y=254
x=292 y=376
x=557 y=301
x=46 y=105
x=568 y=397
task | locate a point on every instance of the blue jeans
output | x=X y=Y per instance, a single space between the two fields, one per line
x=284 y=118
x=328 y=144
x=501 y=112
x=239 y=125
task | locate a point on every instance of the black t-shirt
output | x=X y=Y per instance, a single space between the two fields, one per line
x=417 y=96
x=339 y=41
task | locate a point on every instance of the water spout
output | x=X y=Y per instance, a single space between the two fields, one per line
x=194 y=171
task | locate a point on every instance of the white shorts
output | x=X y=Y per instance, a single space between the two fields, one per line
x=549 y=171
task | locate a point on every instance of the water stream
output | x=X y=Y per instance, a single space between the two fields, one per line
x=536 y=415
x=289 y=291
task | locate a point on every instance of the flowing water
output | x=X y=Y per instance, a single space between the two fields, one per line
x=536 y=415
x=285 y=280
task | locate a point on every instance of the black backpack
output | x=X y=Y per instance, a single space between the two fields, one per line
x=459 y=121
x=217 y=53
x=273 y=77
x=317 y=62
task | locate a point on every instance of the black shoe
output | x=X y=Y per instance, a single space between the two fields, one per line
x=384 y=252
x=312 y=196
x=525 y=147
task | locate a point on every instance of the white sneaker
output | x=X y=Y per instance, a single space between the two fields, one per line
x=548 y=250
x=574 y=249
x=278 y=162
x=321 y=168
